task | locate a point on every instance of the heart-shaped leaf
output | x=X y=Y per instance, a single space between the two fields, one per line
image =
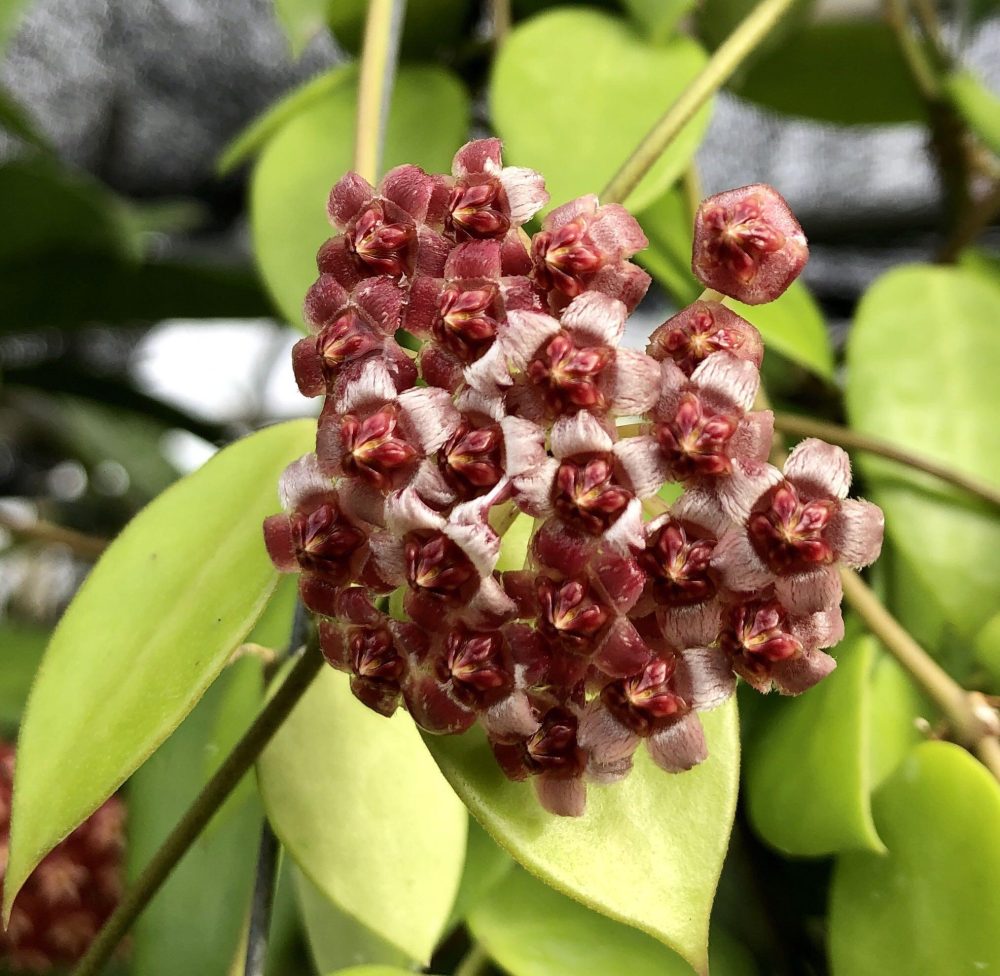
x=194 y=923
x=574 y=91
x=931 y=905
x=486 y=865
x=923 y=358
x=366 y=814
x=428 y=121
x=648 y=851
x=148 y=632
x=532 y=930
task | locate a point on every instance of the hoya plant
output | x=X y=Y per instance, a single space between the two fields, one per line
x=445 y=676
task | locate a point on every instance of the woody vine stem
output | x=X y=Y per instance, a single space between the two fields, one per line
x=972 y=722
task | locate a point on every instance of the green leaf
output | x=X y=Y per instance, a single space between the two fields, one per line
x=17 y=121
x=894 y=705
x=366 y=815
x=846 y=71
x=11 y=12
x=602 y=67
x=978 y=106
x=530 y=929
x=335 y=938
x=430 y=27
x=717 y=19
x=23 y=645
x=668 y=225
x=658 y=18
x=922 y=366
x=987 y=645
x=808 y=772
x=149 y=630
x=195 y=922
x=301 y=162
x=931 y=904
x=486 y=865
x=301 y=20
x=649 y=850
x=373 y=971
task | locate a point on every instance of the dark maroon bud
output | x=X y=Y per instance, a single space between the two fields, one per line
x=677 y=560
x=324 y=542
x=468 y=319
x=647 y=701
x=379 y=246
x=554 y=749
x=787 y=532
x=471 y=460
x=585 y=494
x=478 y=208
x=436 y=565
x=694 y=442
x=570 y=613
x=479 y=666
x=569 y=375
x=372 y=450
x=566 y=258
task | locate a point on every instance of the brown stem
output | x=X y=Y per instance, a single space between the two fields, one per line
x=973 y=222
x=86 y=546
x=853 y=441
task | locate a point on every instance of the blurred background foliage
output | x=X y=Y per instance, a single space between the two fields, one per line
x=163 y=170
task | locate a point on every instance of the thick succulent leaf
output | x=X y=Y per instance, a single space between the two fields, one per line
x=530 y=929
x=553 y=64
x=987 y=645
x=895 y=707
x=486 y=865
x=979 y=107
x=428 y=121
x=923 y=358
x=808 y=772
x=648 y=851
x=195 y=922
x=658 y=19
x=336 y=939
x=147 y=633
x=931 y=904
x=366 y=815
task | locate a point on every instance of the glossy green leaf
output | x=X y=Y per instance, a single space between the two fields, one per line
x=301 y=20
x=530 y=929
x=373 y=971
x=486 y=865
x=931 y=905
x=658 y=19
x=923 y=358
x=895 y=706
x=430 y=27
x=366 y=815
x=717 y=19
x=978 y=106
x=149 y=630
x=428 y=122
x=624 y=82
x=846 y=71
x=793 y=325
x=808 y=772
x=336 y=940
x=23 y=645
x=649 y=850
x=195 y=922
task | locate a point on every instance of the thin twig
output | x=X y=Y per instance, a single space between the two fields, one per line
x=853 y=441
x=206 y=804
x=379 y=57
x=500 y=14
x=973 y=222
x=719 y=69
x=38 y=530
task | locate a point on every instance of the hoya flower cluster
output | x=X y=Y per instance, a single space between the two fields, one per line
x=69 y=896
x=627 y=618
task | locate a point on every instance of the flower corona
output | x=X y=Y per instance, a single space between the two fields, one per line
x=629 y=617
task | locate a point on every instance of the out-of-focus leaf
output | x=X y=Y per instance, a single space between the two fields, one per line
x=649 y=850
x=429 y=27
x=894 y=704
x=808 y=772
x=301 y=20
x=792 y=325
x=923 y=358
x=514 y=547
x=299 y=165
x=336 y=940
x=23 y=645
x=848 y=71
x=373 y=971
x=625 y=85
x=978 y=106
x=486 y=865
x=11 y=12
x=368 y=818
x=16 y=121
x=530 y=929
x=195 y=922
x=255 y=136
x=658 y=18
x=717 y=19
x=107 y=290
x=987 y=645
x=931 y=904
x=274 y=627
x=147 y=633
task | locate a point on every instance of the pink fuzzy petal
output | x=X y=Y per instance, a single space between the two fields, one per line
x=431 y=486
x=324 y=301
x=511 y=716
x=301 y=481
x=515 y=255
x=533 y=488
x=856 y=532
x=474 y=259
x=584 y=206
x=604 y=737
x=410 y=188
x=563 y=797
x=278 y=540
x=594 y=319
x=359 y=503
x=423 y=309
x=387 y=551
x=744 y=485
x=525 y=399
x=626 y=534
x=582 y=433
x=705 y=677
x=478 y=156
x=432 y=708
x=702 y=508
x=382 y=301
x=489 y=374
x=624 y=281
x=822 y=469
x=373 y=387
x=524 y=333
x=432 y=253
x=737 y=562
x=478 y=541
x=620 y=577
x=526 y=193
x=623 y=652
x=318 y=596
x=330 y=441
x=490 y=607
x=350 y=193
x=800 y=673
x=427 y=418
x=680 y=746
x=642 y=462
x=615 y=231
x=819 y=630
x=562 y=549
x=693 y=626
x=754 y=437
x=524 y=445
x=727 y=378
x=636 y=382
x=439 y=367
x=308 y=368
x=333 y=259
x=818 y=589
